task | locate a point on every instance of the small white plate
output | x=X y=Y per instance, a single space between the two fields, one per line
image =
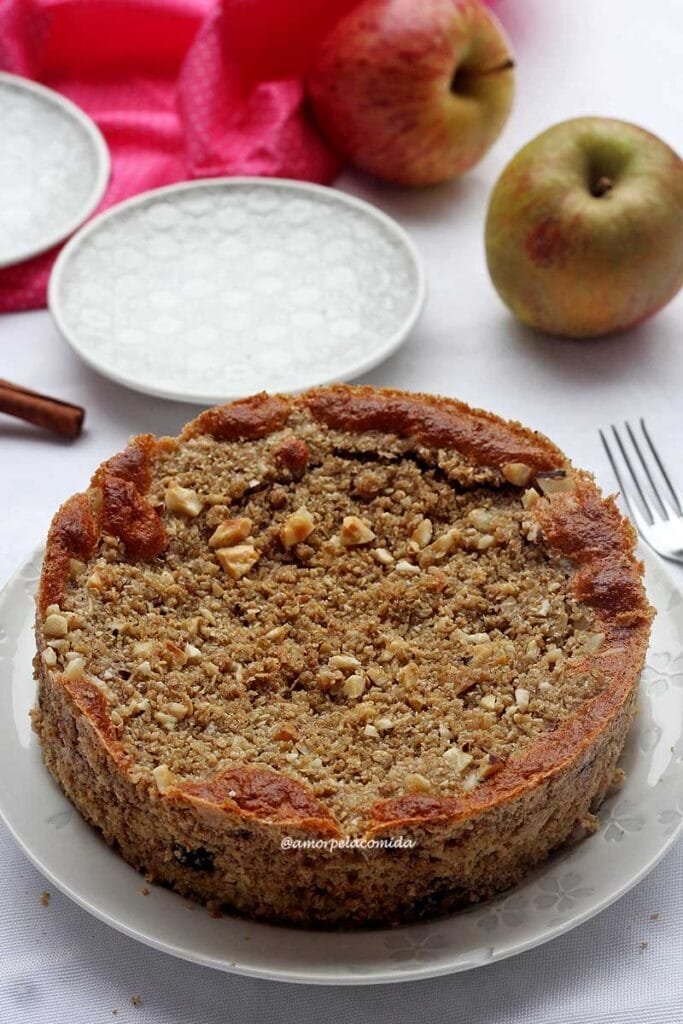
x=637 y=827
x=215 y=289
x=54 y=168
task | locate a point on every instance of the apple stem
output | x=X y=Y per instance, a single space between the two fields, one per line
x=602 y=186
x=462 y=75
x=506 y=66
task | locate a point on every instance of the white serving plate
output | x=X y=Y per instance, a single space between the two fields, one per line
x=54 y=168
x=638 y=826
x=211 y=290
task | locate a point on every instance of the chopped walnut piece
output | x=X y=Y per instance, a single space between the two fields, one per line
x=193 y=655
x=183 y=500
x=480 y=519
x=416 y=783
x=553 y=656
x=143 y=648
x=383 y=556
x=238 y=560
x=440 y=547
x=179 y=710
x=76 y=567
x=554 y=481
x=422 y=534
x=354 y=686
x=355 y=531
x=369 y=482
x=472 y=638
x=74 y=668
x=399 y=648
x=409 y=674
x=164 y=777
x=407 y=568
x=230 y=532
x=49 y=657
x=163 y=718
x=517 y=473
x=297 y=528
x=56 y=625
x=496 y=652
x=530 y=498
x=95 y=581
x=457 y=759
x=343 y=661
x=522 y=698
x=325 y=679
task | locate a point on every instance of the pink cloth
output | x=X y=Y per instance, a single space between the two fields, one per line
x=179 y=88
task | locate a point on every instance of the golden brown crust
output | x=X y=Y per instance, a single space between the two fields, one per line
x=582 y=524
x=121 y=484
x=577 y=522
x=265 y=795
x=591 y=532
x=479 y=436
x=73 y=534
x=92 y=705
x=132 y=464
x=244 y=420
x=125 y=514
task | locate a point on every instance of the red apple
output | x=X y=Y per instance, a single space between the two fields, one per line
x=413 y=91
x=584 y=234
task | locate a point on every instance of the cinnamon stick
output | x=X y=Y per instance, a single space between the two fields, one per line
x=50 y=413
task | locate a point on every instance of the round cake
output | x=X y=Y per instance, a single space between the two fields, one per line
x=353 y=657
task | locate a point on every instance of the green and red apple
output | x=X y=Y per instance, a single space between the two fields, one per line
x=413 y=91
x=584 y=233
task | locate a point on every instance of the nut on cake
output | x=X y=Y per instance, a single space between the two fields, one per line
x=352 y=615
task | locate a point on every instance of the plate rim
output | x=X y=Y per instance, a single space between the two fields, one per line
x=394 y=341
x=102 y=157
x=324 y=976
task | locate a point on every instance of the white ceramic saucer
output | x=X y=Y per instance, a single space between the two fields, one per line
x=637 y=826
x=54 y=168
x=215 y=289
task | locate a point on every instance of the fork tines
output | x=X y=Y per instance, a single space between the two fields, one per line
x=649 y=480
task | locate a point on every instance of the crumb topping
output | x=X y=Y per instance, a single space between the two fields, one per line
x=365 y=615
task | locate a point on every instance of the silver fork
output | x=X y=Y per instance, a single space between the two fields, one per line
x=656 y=510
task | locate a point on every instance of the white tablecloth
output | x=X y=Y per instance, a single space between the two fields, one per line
x=57 y=963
